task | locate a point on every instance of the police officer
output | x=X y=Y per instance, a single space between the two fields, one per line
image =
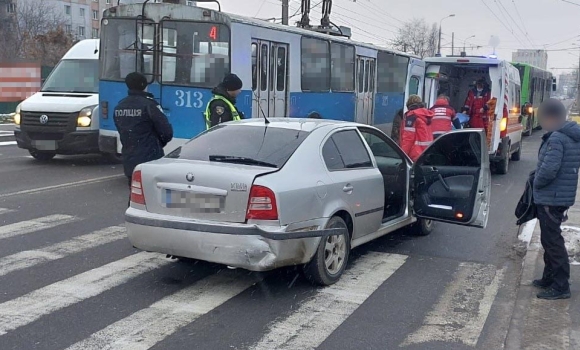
x=222 y=107
x=142 y=125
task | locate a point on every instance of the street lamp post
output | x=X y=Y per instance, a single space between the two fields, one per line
x=439 y=43
x=464 y=41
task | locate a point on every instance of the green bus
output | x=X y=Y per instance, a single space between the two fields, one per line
x=537 y=85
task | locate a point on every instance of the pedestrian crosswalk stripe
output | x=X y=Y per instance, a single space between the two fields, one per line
x=149 y=326
x=461 y=312
x=30 y=226
x=30 y=307
x=29 y=258
x=309 y=325
x=7 y=143
x=5 y=211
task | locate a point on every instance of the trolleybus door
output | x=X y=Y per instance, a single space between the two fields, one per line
x=269 y=78
x=366 y=78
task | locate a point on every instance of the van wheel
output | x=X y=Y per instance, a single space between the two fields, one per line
x=42 y=156
x=517 y=155
x=331 y=257
x=422 y=227
x=502 y=166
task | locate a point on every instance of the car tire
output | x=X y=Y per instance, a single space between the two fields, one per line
x=502 y=166
x=518 y=154
x=42 y=156
x=335 y=250
x=422 y=227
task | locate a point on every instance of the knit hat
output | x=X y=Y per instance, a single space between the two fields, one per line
x=136 y=81
x=232 y=83
x=552 y=108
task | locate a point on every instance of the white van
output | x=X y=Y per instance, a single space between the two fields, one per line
x=62 y=118
x=454 y=76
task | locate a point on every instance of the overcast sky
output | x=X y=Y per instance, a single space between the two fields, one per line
x=549 y=24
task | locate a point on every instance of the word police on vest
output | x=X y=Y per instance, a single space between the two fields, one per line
x=128 y=113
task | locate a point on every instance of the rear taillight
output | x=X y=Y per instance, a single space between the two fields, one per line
x=503 y=127
x=137 y=195
x=262 y=204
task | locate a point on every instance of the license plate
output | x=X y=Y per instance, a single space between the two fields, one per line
x=195 y=202
x=45 y=145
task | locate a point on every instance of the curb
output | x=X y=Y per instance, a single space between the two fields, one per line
x=524 y=295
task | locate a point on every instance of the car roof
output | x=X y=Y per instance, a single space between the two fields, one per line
x=304 y=124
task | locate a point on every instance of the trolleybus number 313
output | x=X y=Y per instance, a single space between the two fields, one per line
x=184 y=99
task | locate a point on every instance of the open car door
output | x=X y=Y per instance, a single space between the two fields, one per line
x=452 y=180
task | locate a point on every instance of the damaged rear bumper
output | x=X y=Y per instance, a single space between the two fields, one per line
x=248 y=246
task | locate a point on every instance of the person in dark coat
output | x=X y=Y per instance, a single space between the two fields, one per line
x=222 y=107
x=554 y=191
x=143 y=127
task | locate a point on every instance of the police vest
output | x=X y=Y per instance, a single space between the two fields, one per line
x=233 y=110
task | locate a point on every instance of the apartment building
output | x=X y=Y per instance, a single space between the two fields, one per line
x=82 y=17
x=538 y=58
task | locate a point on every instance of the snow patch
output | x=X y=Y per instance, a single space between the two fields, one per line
x=572 y=239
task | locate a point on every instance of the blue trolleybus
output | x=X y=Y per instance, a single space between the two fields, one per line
x=287 y=71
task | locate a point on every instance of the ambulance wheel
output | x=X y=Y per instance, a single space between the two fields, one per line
x=502 y=166
x=42 y=156
x=518 y=154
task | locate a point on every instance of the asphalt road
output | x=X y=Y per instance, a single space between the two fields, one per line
x=70 y=278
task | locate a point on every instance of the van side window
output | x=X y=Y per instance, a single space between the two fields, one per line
x=414 y=85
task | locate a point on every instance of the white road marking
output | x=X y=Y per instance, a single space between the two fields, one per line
x=309 y=325
x=149 y=326
x=527 y=231
x=30 y=226
x=5 y=211
x=32 y=306
x=29 y=258
x=461 y=312
x=67 y=185
x=7 y=143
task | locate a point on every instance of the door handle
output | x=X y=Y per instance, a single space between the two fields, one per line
x=347 y=188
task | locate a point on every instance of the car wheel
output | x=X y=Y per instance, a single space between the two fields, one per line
x=42 y=156
x=502 y=166
x=422 y=227
x=331 y=257
x=518 y=154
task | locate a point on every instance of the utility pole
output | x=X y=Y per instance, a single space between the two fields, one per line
x=439 y=42
x=285 y=6
x=452 y=43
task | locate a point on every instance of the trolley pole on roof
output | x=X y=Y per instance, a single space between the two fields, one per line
x=285 y=6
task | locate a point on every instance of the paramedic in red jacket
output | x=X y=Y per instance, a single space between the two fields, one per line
x=416 y=134
x=477 y=103
x=444 y=117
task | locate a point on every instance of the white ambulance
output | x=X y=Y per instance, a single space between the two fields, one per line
x=454 y=76
x=62 y=118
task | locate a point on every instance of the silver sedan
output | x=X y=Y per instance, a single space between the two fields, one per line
x=259 y=195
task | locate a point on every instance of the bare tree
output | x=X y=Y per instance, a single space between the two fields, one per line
x=418 y=37
x=35 y=32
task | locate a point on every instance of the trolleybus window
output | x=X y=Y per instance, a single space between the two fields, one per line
x=254 y=66
x=315 y=65
x=391 y=72
x=281 y=71
x=126 y=46
x=342 y=65
x=201 y=53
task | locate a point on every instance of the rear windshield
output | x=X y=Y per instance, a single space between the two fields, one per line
x=260 y=143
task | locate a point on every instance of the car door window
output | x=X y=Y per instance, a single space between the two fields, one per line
x=349 y=148
x=379 y=147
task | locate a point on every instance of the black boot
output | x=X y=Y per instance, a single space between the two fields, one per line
x=553 y=294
